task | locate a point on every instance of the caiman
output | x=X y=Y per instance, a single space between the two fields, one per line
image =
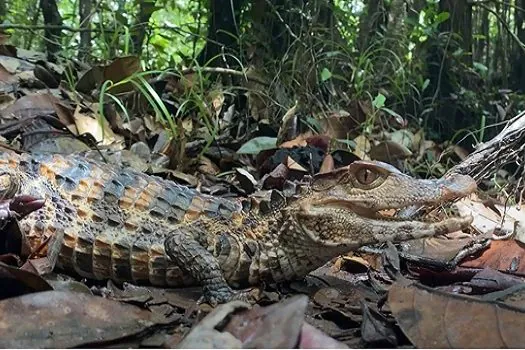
x=105 y=222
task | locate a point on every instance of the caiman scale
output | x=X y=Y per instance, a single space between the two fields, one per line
x=107 y=222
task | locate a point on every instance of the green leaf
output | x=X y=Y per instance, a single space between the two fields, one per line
x=379 y=101
x=480 y=66
x=442 y=17
x=325 y=74
x=392 y=113
x=314 y=123
x=350 y=143
x=258 y=144
x=425 y=84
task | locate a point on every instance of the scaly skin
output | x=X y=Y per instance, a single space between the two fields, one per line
x=110 y=223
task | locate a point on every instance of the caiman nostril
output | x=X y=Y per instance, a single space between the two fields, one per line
x=457 y=186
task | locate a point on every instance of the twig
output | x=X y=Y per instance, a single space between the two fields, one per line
x=221 y=70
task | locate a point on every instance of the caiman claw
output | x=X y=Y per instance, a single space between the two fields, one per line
x=19 y=206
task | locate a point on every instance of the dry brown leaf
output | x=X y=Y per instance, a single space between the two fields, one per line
x=485 y=219
x=6 y=78
x=120 y=69
x=36 y=105
x=419 y=137
x=10 y=64
x=206 y=166
x=99 y=128
x=299 y=141
x=63 y=319
x=434 y=319
x=337 y=124
x=328 y=164
x=293 y=165
x=217 y=101
x=362 y=147
x=443 y=247
x=460 y=152
x=506 y=256
x=388 y=151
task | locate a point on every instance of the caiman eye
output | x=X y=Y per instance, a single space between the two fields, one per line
x=366 y=176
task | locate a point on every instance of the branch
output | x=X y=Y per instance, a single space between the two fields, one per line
x=502 y=21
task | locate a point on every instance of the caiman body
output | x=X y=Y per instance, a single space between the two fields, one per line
x=106 y=222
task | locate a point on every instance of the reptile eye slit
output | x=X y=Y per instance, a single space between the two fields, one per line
x=365 y=176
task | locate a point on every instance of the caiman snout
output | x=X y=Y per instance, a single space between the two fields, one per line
x=456 y=186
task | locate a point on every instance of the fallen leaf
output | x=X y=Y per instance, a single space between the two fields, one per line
x=16 y=281
x=434 y=319
x=299 y=141
x=247 y=181
x=98 y=127
x=328 y=164
x=489 y=280
x=403 y=137
x=376 y=328
x=507 y=256
x=389 y=151
x=293 y=165
x=362 y=147
x=63 y=319
x=206 y=335
x=485 y=219
x=257 y=144
x=256 y=328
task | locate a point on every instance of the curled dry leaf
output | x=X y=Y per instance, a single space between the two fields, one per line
x=312 y=338
x=485 y=219
x=442 y=248
x=37 y=105
x=246 y=180
x=328 y=164
x=17 y=282
x=434 y=319
x=206 y=335
x=275 y=326
x=98 y=127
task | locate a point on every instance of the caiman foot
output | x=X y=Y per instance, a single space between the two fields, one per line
x=18 y=207
x=199 y=263
x=226 y=294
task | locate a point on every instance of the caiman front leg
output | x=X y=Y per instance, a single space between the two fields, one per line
x=199 y=263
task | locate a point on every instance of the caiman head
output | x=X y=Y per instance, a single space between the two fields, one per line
x=342 y=210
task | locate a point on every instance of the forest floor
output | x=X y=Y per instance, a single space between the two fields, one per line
x=465 y=289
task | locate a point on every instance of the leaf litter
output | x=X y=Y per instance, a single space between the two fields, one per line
x=361 y=299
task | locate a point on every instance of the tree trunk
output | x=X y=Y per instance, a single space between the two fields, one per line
x=53 y=36
x=146 y=9
x=449 y=116
x=498 y=50
x=84 y=10
x=370 y=22
x=3 y=10
x=223 y=32
x=517 y=81
x=479 y=52
x=460 y=22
